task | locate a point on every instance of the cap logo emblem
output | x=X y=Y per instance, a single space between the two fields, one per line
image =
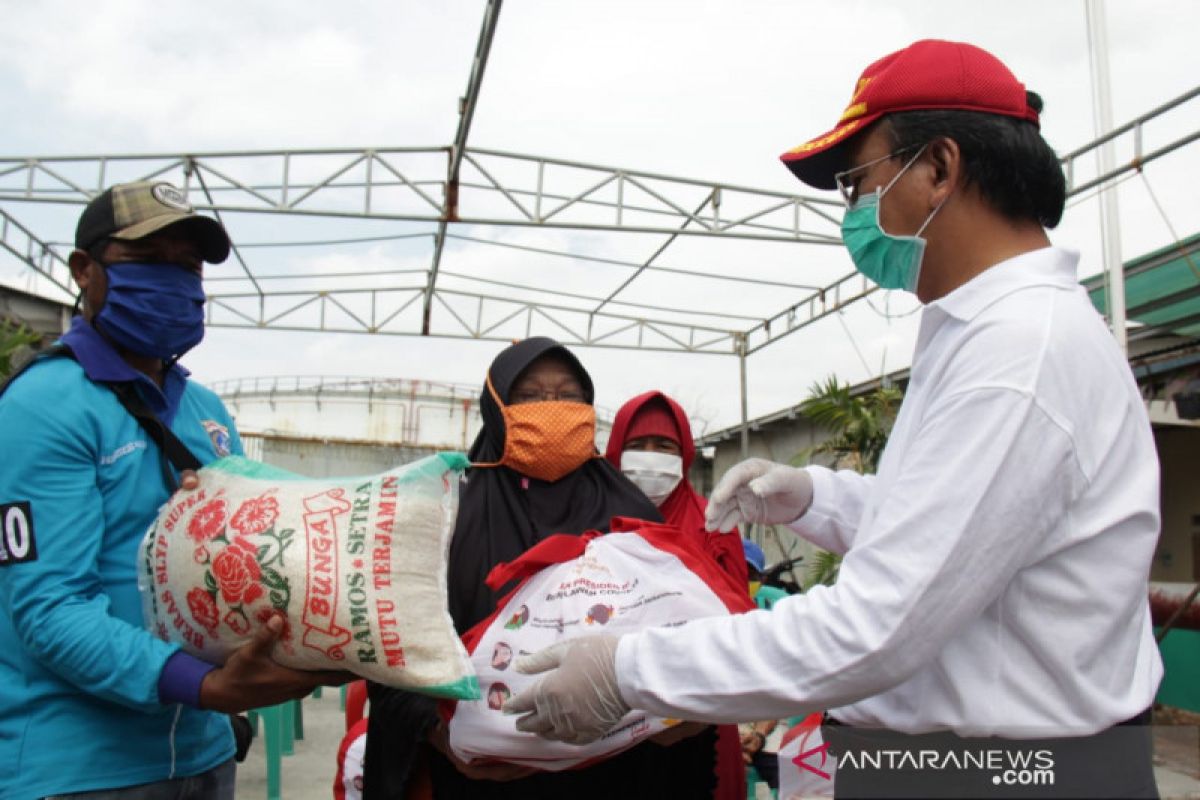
x=861 y=87
x=169 y=196
x=854 y=112
x=857 y=109
x=836 y=135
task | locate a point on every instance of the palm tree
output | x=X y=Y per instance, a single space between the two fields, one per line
x=860 y=425
x=13 y=337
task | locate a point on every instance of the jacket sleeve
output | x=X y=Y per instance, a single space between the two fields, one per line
x=837 y=507
x=235 y=444
x=990 y=476
x=57 y=602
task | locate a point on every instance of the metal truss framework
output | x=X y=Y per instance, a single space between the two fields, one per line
x=400 y=185
x=367 y=389
x=269 y=387
x=380 y=184
x=436 y=191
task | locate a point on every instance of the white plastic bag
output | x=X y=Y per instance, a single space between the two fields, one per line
x=644 y=576
x=357 y=567
x=806 y=767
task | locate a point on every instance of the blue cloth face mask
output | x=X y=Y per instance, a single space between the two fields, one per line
x=153 y=309
x=893 y=262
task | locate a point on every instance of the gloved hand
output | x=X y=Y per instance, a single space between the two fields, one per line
x=757 y=490
x=577 y=703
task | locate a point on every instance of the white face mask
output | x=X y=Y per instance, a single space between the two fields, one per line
x=656 y=474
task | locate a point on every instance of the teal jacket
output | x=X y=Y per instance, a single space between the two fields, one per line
x=767 y=596
x=80 y=482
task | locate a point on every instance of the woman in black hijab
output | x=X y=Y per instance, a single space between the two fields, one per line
x=503 y=511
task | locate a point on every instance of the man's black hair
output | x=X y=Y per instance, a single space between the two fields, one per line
x=97 y=248
x=1005 y=158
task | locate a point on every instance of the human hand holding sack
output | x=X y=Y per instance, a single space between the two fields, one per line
x=757 y=490
x=289 y=583
x=251 y=678
x=579 y=701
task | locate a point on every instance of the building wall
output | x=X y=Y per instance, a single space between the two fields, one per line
x=429 y=420
x=782 y=441
x=447 y=423
x=1178 y=555
x=47 y=317
x=339 y=433
x=321 y=459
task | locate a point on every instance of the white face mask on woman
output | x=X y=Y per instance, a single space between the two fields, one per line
x=656 y=474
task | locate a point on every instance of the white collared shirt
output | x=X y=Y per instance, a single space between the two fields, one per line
x=996 y=567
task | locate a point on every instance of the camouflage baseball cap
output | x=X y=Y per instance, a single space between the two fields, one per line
x=133 y=211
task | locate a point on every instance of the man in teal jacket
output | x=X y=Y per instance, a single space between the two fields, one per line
x=756 y=567
x=90 y=701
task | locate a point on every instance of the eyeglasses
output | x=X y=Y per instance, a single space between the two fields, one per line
x=847 y=182
x=542 y=395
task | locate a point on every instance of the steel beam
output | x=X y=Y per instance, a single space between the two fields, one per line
x=494 y=188
x=381 y=184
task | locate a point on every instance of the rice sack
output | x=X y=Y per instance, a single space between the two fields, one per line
x=356 y=566
x=641 y=575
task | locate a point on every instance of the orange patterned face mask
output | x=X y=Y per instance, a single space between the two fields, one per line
x=546 y=439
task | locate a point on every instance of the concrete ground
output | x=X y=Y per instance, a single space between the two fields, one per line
x=308 y=773
x=1177 y=754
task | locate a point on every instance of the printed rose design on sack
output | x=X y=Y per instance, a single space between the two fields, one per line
x=238 y=573
x=204 y=609
x=208 y=521
x=237 y=621
x=242 y=574
x=256 y=515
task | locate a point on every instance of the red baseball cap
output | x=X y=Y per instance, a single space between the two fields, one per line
x=927 y=74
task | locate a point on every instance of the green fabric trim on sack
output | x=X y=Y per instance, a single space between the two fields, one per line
x=463 y=689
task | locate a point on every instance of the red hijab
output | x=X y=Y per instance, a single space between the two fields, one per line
x=684 y=507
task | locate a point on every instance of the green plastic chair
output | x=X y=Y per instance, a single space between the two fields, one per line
x=281 y=726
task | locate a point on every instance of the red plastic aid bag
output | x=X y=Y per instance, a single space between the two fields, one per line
x=639 y=576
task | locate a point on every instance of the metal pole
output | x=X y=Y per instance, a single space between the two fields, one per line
x=741 y=351
x=1109 y=214
x=466 y=113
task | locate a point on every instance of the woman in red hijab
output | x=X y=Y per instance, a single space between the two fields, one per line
x=651 y=443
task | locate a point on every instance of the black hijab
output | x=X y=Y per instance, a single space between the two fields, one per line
x=502 y=514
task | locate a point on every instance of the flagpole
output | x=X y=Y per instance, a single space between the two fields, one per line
x=1110 y=223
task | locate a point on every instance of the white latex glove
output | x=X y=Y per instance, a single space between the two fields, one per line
x=579 y=701
x=757 y=490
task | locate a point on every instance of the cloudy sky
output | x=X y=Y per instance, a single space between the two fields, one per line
x=712 y=90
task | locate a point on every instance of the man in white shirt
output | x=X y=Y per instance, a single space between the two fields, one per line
x=990 y=627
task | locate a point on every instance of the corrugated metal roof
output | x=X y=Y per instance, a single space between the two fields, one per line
x=1162 y=291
